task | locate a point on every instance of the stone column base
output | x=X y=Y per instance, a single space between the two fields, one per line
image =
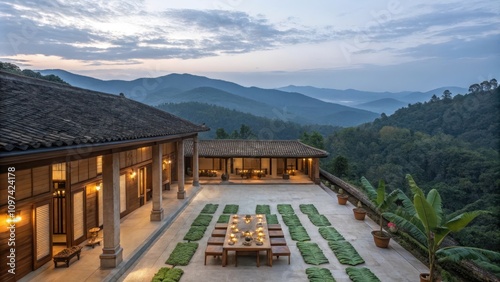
x=111 y=258
x=181 y=194
x=196 y=183
x=156 y=215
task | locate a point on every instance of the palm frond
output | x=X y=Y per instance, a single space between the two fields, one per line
x=425 y=212
x=299 y=233
x=407 y=207
x=368 y=189
x=330 y=234
x=434 y=199
x=389 y=200
x=361 y=274
x=460 y=221
x=380 y=193
x=319 y=220
x=316 y=274
x=345 y=252
x=285 y=209
x=413 y=186
x=308 y=209
x=311 y=253
x=404 y=225
x=458 y=253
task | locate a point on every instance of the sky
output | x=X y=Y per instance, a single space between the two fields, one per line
x=389 y=45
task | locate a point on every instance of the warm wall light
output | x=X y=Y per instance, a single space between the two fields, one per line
x=13 y=218
x=98 y=187
x=133 y=174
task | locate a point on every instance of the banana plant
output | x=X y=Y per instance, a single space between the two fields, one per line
x=379 y=198
x=423 y=219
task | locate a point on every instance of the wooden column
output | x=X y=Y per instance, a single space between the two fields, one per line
x=181 y=193
x=315 y=169
x=196 y=174
x=157 y=210
x=112 y=251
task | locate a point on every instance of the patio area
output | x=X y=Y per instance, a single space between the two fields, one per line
x=392 y=264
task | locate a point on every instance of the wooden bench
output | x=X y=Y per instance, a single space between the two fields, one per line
x=67 y=254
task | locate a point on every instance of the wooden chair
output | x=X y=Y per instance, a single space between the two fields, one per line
x=215 y=241
x=278 y=242
x=274 y=226
x=221 y=226
x=281 y=251
x=219 y=233
x=276 y=234
x=213 y=250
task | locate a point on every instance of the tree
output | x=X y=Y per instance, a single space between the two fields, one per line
x=434 y=98
x=424 y=220
x=221 y=134
x=446 y=95
x=315 y=139
x=485 y=85
x=246 y=132
x=340 y=166
x=474 y=88
x=493 y=83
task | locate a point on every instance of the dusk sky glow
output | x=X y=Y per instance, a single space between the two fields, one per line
x=367 y=45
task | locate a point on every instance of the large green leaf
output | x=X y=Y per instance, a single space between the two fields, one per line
x=231 y=209
x=434 y=199
x=308 y=209
x=202 y=220
x=361 y=274
x=330 y=234
x=316 y=274
x=263 y=209
x=182 y=254
x=319 y=220
x=368 y=189
x=459 y=222
x=167 y=274
x=291 y=220
x=299 y=233
x=223 y=218
x=311 y=253
x=456 y=254
x=407 y=226
x=380 y=193
x=195 y=233
x=272 y=219
x=210 y=208
x=285 y=209
x=425 y=212
x=345 y=252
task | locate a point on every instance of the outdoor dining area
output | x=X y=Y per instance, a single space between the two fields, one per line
x=247 y=235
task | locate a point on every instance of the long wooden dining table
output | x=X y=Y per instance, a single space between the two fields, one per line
x=247 y=233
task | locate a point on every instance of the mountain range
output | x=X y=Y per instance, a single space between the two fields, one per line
x=304 y=105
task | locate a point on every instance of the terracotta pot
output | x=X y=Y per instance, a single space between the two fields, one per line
x=342 y=199
x=381 y=240
x=424 y=277
x=359 y=213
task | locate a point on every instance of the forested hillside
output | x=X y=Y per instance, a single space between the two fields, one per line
x=216 y=117
x=448 y=143
x=8 y=67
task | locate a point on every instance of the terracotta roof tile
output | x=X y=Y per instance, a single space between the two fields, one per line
x=39 y=114
x=223 y=148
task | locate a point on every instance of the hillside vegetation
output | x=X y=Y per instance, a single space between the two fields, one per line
x=450 y=144
x=216 y=117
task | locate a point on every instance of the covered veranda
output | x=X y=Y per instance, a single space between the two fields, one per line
x=253 y=160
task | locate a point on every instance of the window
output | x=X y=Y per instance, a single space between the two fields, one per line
x=59 y=171
x=99 y=164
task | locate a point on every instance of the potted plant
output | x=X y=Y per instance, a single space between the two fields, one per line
x=424 y=221
x=359 y=211
x=392 y=227
x=341 y=197
x=381 y=201
x=224 y=177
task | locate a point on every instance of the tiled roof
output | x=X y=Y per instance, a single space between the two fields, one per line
x=223 y=148
x=38 y=114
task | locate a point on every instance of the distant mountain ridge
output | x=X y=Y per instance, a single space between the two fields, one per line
x=271 y=103
x=368 y=100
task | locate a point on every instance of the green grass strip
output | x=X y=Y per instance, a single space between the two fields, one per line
x=299 y=233
x=223 y=218
x=272 y=219
x=345 y=252
x=317 y=274
x=210 y=208
x=361 y=274
x=263 y=209
x=311 y=253
x=182 y=254
x=330 y=234
x=166 y=274
x=231 y=209
x=291 y=220
x=319 y=220
x=308 y=209
x=202 y=220
x=195 y=233
x=285 y=209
